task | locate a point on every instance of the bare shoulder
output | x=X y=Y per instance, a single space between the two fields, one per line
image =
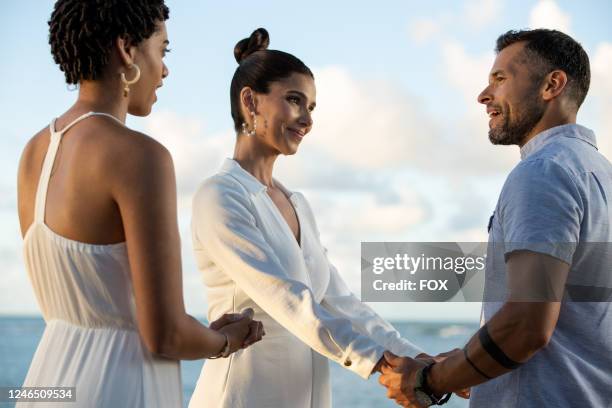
x=128 y=156
x=122 y=143
x=30 y=166
x=30 y=162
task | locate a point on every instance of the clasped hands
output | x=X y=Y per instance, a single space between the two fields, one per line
x=240 y=328
x=399 y=376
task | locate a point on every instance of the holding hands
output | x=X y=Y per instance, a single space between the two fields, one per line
x=239 y=329
x=406 y=380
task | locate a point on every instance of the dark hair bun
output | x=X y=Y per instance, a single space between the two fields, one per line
x=259 y=40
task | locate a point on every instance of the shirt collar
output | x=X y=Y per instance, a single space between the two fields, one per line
x=232 y=167
x=549 y=135
x=250 y=182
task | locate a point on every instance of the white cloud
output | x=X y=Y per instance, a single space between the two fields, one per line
x=16 y=293
x=368 y=124
x=467 y=73
x=196 y=154
x=474 y=16
x=547 y=14
x=364 y=130
x=364 y=214
x=600 y=69
x=480 y=13
x=601 y=90
x=423 y=30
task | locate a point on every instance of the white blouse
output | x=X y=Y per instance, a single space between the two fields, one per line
x=249 y=257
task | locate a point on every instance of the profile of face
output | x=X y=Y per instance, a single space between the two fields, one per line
x=283 y=116
x=148 y=55
x=512 y=97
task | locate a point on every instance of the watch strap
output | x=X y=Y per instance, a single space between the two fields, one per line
x=423 y=373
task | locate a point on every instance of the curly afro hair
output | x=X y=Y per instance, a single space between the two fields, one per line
x=82 y=32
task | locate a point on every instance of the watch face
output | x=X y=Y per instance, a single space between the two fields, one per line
x=423 y=398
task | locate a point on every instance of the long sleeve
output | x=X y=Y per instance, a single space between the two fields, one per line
x=341 y=301
x=225 y=225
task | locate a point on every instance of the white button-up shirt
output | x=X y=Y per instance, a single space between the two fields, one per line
x=249 y=257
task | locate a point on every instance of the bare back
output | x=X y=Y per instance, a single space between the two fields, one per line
x=79 y=202
x=86 y=288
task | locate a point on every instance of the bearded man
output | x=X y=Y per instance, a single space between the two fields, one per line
x=546 y=338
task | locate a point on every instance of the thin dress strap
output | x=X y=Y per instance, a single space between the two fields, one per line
x=45 y=176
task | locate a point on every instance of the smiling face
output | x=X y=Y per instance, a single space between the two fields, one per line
x=284 y=114
x=149 y=58
x=513 y=97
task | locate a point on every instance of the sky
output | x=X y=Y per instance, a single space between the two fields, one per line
x=399 y=149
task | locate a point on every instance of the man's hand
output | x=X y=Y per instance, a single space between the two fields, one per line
x=399 y=377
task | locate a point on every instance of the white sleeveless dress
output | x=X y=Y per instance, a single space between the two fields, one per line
x=91 y=340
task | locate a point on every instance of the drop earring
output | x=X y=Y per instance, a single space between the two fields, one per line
x=126 y=83
x=245 y=128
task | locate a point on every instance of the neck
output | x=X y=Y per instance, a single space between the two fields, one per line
x=549 y=120
x=258 y=160
x=99 y=96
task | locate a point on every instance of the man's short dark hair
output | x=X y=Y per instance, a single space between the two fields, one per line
x=548 y=50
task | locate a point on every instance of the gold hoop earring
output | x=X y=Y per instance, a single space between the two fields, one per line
x=126 y=83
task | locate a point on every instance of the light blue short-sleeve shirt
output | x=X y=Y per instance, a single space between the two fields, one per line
x=557 y=201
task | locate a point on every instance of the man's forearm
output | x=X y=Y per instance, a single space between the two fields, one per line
x=510 y=331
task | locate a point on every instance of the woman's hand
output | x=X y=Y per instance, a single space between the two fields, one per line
x=227 y=319
x=240 y=328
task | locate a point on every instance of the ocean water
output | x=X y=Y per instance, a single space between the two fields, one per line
x=19 y=337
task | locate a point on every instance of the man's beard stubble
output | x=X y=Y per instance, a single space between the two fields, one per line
x=525 y=119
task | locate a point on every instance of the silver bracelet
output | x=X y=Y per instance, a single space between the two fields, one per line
x=226 y=349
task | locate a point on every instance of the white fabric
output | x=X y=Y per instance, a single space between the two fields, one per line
x=91 y=340
x=249 y=257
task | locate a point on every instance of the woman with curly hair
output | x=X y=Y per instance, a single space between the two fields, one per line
x=257 y=245
x=97 y=208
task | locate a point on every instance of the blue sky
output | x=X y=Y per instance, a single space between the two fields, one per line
x=399 y=150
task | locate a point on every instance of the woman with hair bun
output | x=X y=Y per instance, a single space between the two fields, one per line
x=97 y=208
x=257 y=245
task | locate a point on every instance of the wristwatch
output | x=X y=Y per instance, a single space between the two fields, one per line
x=226 y=349
x=423 y=393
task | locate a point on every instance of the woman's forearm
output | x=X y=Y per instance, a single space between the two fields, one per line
x=191 y=340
